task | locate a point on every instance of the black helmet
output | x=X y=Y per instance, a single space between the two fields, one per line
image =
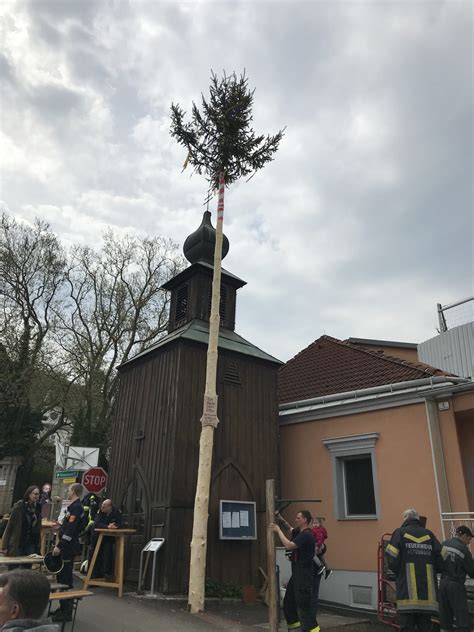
x=53 y=563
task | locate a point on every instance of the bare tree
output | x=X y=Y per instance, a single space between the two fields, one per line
x=115 y=308
x=31 y=276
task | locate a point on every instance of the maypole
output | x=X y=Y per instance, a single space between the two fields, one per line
x=209 y=422
x=222 y=145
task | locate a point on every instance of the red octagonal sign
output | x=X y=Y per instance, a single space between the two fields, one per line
x=95 y=479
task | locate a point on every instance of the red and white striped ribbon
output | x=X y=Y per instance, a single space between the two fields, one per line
x=220 y=199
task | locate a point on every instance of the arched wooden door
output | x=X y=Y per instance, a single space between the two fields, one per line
x=135 y=507
x=227 y=560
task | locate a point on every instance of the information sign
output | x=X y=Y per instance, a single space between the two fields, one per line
x=155 y=544
x=237 y=520
x=67 y=474
x=69 y=481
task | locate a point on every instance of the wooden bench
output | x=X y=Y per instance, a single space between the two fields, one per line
x=69 y=595
x=23 y=560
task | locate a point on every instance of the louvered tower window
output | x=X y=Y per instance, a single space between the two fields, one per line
x=222 y=303
x=231 y=375
x=181 y=304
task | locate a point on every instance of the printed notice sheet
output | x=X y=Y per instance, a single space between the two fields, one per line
x=235 y=520
x=226 y=520
x=244 y=518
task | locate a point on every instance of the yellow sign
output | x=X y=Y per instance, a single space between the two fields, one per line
x=69 y=481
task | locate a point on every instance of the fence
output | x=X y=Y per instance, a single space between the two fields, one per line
x=451 y=521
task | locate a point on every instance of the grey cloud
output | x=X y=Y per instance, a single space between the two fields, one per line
x=65 y=10
x=54 y=101
x=45 y=31
x=6 y=69
x=365 y=214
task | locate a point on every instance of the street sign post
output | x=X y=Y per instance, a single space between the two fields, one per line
x=67 y=474
x=95 y=480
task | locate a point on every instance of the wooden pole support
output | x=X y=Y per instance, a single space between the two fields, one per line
x=273 y=597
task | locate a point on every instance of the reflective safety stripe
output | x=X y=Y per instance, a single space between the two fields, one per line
x=392 y=550
x=431 y=584
x=424 y=538
x=446 y=550
x=66 y=537
x=417 y=604
x=316 y=629
x=411 y=581
x=294 y=626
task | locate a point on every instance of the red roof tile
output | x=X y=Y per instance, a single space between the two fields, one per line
x=330 y=366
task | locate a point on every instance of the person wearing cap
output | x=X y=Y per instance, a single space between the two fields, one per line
x=24 y=596
x=458 y=563
x=68 y=546
x=414 y=556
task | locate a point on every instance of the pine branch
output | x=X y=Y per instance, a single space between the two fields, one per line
x=219 y=136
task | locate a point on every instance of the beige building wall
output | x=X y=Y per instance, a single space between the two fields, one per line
x=463 y=406
x=453 y=460
x=404 y=471
x=411 y=355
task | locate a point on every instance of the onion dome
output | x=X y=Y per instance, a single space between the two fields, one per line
x=199 y=246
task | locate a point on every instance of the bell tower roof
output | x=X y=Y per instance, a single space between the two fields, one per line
x=191 y=289
x=199 y=246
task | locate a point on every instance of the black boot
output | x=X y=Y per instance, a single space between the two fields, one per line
x=62 y=615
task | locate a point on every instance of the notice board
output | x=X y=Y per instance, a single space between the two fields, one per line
x=237 y=520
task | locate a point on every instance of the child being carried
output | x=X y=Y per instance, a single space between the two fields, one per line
x=320 y=535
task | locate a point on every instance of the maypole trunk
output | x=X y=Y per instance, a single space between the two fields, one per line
x=209 y=421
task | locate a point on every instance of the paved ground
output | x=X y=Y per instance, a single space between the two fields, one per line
x=104 y=611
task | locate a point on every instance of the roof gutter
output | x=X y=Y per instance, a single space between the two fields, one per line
x=410 y=385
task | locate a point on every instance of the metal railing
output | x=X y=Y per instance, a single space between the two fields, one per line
x=451 y=521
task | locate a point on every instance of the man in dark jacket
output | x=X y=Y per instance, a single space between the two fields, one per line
x=109 y=517
x=68 y=546
x=414 y=556
x=24 y=596
x=297 y=606
x=458 y=563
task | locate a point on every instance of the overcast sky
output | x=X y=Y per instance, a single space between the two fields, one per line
x=363 y=222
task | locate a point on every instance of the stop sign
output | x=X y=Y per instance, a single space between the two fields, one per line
x=95 y=479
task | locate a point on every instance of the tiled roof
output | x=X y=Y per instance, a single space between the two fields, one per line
x=330 y=366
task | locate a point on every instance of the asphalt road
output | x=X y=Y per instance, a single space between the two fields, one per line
x=104 y=612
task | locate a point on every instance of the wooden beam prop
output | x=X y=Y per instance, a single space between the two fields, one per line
x=273 y=596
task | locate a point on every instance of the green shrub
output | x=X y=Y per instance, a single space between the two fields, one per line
x=222 y=590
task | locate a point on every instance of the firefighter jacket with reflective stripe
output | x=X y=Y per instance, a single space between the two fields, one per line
x=414 y=556
x=73 y=524
x=458 y=561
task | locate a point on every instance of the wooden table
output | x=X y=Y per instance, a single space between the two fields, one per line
x=46 y=527
x=119 y=534
x=27 y=560
x=73 y=595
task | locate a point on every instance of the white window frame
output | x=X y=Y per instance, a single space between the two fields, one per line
x=342 y=449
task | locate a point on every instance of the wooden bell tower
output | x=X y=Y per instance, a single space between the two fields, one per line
x=155 y=444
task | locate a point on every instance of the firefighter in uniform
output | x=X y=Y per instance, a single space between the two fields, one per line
x=414 y=556
x=452 y=592
x=68 y=546
x=297 y=605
